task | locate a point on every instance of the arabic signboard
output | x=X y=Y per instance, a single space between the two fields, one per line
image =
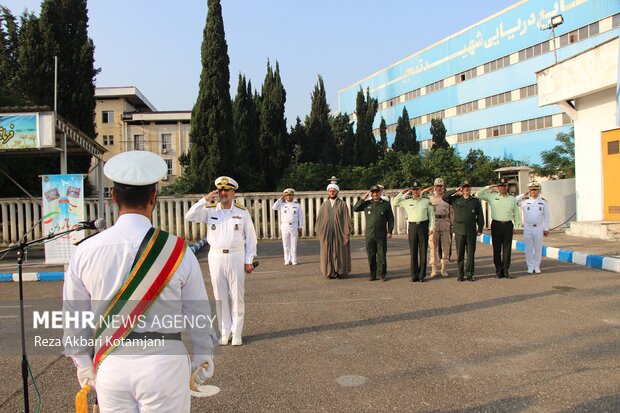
x=63 y=209
x=19 y=131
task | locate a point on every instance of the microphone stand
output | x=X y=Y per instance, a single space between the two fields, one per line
x=21 y=248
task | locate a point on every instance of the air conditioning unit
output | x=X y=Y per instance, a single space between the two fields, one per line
x=164 y=151
x=165 y=178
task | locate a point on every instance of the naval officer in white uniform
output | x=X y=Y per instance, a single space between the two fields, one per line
x=536 y=222
x=137 y=379
x=291 y=223
x=232 y=240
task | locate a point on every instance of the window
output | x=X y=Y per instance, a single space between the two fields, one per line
x=435 y=115
x=166 y=142
x=434 y=87
x=498 y=99
x=467 y=107
x=108 y=139
x=499 y=130
x=535 y=124
x=615 y=20
x=138 y=142
x=107 y=117
x=566 y=119
x=467 y=136
x=169 y=165
x=466 y=75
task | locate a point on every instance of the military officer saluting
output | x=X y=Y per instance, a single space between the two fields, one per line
x=468 y=223
x=506 y=217
x=379 y=227
x=232 y=240
x=291 y=223
x=421 y=223
x=536 y=222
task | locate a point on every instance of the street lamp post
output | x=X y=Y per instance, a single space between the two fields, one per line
x=553 y=23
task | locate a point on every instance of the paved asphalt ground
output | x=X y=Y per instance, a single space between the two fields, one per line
x=537 y=343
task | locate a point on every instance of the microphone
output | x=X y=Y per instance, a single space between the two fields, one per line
x=97 y=224
x=255 y=264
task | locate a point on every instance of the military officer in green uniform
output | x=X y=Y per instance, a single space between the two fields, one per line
x=420 y=224
x=468 y=223
x=506 y=217
x=379 y=227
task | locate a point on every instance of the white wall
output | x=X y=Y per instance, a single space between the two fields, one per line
x=561 y=197
x=596 y=113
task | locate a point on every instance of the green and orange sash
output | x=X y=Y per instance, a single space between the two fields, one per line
x=156 y=262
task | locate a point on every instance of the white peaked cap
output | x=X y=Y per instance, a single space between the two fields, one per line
x=137 y=168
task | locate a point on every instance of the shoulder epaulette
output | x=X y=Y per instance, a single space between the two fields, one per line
x=211 y=205
x=240 y=206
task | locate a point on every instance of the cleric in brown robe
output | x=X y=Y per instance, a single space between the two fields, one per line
x=333 y=227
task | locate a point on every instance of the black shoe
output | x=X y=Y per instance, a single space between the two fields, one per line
x=471 y=278
x=498 y=275
x=507 y=274
x=373 y=278
x=460 y=279
x=383 y=278
x=421 y=280
x=413 y=280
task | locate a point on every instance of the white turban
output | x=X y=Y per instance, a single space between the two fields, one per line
x=330 y=186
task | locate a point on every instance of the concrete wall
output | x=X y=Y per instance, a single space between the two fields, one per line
x=562 y=200
x=596 y=113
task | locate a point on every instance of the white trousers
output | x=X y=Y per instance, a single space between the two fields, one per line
x=151 y=383
x=290 y=234
x=228 y=280
x=533 y=237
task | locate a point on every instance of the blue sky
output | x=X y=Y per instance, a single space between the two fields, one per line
x=156 y=47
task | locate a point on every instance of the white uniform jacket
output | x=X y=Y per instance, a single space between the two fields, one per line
x=535 y=212
x=227 y=229
x=290 y=213
x=98 y=269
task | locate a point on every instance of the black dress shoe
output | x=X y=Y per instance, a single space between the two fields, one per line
x=383 y=278
x=472 y=279
x=421 y=280
x=373 y=278
x=413 y=280
x=460 y=279
x=507 y=274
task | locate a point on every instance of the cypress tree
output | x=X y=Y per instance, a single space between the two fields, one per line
x=438 y=133
x=33 y=68
x=272 y=130
x=211 y=131
x=299 y=142
x=383 y=143
x=64 y=26
x=8 y=59
x=405 y=139
x=342 y=128
x=365 y=149
x=318 y=129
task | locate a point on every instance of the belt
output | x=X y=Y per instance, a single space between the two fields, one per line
x=441 y=216
x=501 y=222
x=227 y=250
x=152 y=335
x=418 y=222
x=531 y=225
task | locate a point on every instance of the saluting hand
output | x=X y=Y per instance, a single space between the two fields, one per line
x=211 y=195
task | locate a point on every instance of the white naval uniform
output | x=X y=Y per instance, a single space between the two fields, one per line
x=155 y=379
x=232 y=240
x=291 y=219
x=536 y=220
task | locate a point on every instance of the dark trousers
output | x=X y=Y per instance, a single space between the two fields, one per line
x=418 y=246
x=501 y=235
x=376 y=249
x=465 y=243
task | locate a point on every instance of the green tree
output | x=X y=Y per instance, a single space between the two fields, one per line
x=383 y=143
x=365 y=148
x=342 y=128
x=33 y=68
x=438 y=133
x=299 y=143
x=441 y=163
x=9 y=95
x=308 y=176
x=272 y=128
x=405 y=139
x=211 y=132
x=559 y=162
x=318 y=128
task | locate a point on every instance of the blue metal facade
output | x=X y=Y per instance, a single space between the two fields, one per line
x=508 y=32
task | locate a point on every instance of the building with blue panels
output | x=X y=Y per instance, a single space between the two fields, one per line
x=482 y=80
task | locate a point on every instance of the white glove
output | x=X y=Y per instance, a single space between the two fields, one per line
x=87 y=375
x=198 y=362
